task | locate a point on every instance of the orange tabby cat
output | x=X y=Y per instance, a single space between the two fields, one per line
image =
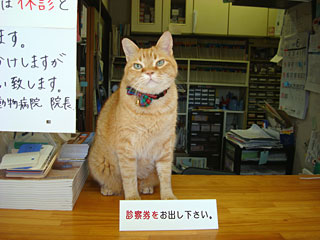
x=135 y=135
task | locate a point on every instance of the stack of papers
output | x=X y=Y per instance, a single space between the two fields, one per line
x=58 y=191
x=254 y=137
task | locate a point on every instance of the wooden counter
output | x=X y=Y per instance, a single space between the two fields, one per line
x=249 y=207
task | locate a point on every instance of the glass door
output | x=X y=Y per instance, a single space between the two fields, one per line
x=146 y=16
x=177 y=16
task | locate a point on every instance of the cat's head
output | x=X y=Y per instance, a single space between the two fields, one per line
x=151 y=70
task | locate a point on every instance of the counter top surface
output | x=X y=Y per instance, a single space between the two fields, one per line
x=249 y=207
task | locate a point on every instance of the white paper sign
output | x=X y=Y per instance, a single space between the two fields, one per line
x=37 y=69
x=39 y=13
x=155 y=215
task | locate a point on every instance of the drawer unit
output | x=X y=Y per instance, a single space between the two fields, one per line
x=202 y=96
x=205 y=131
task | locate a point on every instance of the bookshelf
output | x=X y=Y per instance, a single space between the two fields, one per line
x=264 y=80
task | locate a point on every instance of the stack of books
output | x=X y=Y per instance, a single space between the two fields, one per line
x=33 y=177
x=59 y=190
x=254 y=137
x=31 y=161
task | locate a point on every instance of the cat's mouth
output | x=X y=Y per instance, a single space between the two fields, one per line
x=152 y=81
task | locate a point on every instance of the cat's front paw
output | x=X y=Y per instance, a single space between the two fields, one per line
x=147 y=190
x=133 y=197
x=168 y=197
x=106 y=191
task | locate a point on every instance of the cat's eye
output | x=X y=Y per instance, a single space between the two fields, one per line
x=160 y=63
x=137 y=66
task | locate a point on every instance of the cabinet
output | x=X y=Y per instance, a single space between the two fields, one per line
x=210 y=17
x=177 y=16
x=205 y=136
x=275 y=18
x=248 y=21
x=156 y=16
x=248 y=162
x=146 y=16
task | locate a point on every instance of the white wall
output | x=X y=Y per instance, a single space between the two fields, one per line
x=303 y=132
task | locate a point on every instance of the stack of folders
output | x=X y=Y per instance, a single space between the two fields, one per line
x=254 y=137
x=30 y=161
x=59 y=190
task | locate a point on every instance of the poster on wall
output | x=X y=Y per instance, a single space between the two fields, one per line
x=293 y=97
x=38 y=65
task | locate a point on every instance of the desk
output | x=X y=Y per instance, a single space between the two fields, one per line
x=233 y=159
x=249 y=207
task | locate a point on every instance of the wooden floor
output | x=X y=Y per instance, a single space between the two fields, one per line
x=249 y=207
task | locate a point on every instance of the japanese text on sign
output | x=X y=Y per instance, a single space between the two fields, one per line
x=38 y=13
x=168 y=215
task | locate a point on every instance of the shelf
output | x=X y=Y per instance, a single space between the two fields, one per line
x=221 y=110
x=255 y=119
x=261 y=61
x=218 y=84
x=213 y=60
x=181 y=82
x=256 y=111
x=265 y=82
x=265 y=75
x=263 y=89
x=201 y=60
x=263 y=97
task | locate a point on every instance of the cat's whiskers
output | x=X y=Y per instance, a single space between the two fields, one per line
x=136 y=86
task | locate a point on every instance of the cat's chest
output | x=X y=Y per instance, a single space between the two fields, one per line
x=152 y=132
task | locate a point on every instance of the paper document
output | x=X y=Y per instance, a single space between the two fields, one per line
x=254 y=132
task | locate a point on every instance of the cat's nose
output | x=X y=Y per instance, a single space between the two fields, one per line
x=150 y=73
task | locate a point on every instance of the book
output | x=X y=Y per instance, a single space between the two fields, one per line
x=73 y=152
x=58 y=191
x=40 y=170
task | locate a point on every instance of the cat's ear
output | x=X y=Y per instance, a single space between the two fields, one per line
x=165 y=43
x=129 y=48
